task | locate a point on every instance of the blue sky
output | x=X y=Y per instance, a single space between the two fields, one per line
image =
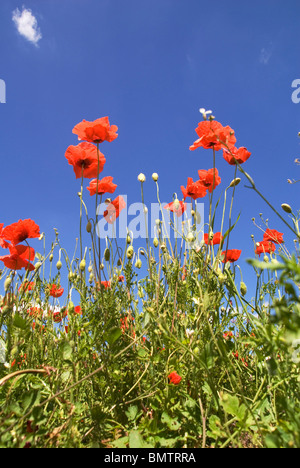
x=149 y=66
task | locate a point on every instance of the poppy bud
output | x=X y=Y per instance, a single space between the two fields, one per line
x=82 y=265
x=235 y=182
x=51 y=257
x=155 y=242
x=138 y=264
x=89 y=227
x=107 y=254
x=37 y=265
x=7 y=283
x=155 y=176
x=101 y=266
x=71 y=307
x=91 y=278
x=141 y=177
x=190 y=237
x=286 y=208
x=243 y=288
x=59 y=265
x=128 y=239
x=130 y=251
x=163 y=247
x=119 y=262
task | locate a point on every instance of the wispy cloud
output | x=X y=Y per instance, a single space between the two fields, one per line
x=265 y=55
x=27 y=26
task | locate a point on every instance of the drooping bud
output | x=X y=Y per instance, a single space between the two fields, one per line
x=89 y=227
x=243 y=288
x=155 y=242
x=235 y=182
x=155 y=176
x=130 y=252
x=138 y=263
x=286 y=208
x=59 y=265
x=107 y=254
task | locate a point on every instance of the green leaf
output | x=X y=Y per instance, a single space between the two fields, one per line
x=113 y=335
x=20 y=322
x=132 y=412
x=135 y=439
x=31 y=399
x=230 y=404
x=172 y=423
x=66 y=350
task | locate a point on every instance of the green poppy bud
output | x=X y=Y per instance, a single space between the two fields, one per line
x=107 y=254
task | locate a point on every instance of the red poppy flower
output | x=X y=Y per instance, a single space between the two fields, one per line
x=3 y=244
x=114 y=209
x=84 y=159
x=265 y=246
x=56 y=291
x=210 y=179
x=97 y=131
x=212 y=134
x=77 y=310
x=105 y=185
x=20 y=231
x=27 y=286
x=193 y=189
x=121 y=279
x=240 y=154
x=232 y=255
x=273 y=236
x=217 y=238
x=20 y=256
x=106 y=284
x=35 y=312
x=174 y=378
x=177 y=207
x=59 y=315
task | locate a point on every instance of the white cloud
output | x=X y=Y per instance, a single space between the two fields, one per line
x=26 y=25
x=265 y=55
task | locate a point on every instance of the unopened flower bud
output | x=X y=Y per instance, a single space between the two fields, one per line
x=138 y=264
x=7 y=283
x=37 y=265
x=107 y=254
x=243 y=288
x=59 y=265
x=141 y=177
x=51 y=258
x=155 y=176
x=155 y=242
x=286 y=208
x=89 y=227
x=82 y=265
x=130 y=252
x=190 y=237
x=235 y=182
